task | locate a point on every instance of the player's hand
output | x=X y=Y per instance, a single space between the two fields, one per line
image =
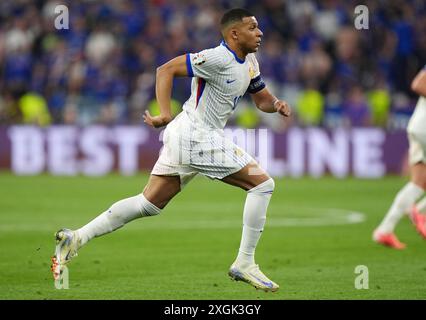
x=282 y=108
x=156 y=121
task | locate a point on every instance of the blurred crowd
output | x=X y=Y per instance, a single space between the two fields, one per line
x=101 y=70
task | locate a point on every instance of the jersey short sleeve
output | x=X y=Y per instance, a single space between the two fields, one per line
x=256 y=81
x=204 y=64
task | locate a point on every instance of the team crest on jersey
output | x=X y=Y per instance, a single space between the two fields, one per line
x=251 y=72
x=198 y=59
x=238 y=152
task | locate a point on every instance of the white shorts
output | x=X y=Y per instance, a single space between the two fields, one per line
x=189 y=150
x=417 y=150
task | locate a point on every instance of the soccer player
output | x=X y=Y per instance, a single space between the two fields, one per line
x=194 y=143
x=413 y=190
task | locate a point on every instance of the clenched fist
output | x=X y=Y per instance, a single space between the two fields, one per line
x=156 y=121
x=282 y=108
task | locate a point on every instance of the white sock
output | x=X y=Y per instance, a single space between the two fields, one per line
x=403 y=201
x=254 y=218
x=421 y=205
x=117 y=216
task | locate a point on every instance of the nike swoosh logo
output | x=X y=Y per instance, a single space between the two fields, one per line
x=268 y=284
x=230 y=81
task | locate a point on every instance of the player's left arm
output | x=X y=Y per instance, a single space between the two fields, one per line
x=176 y=67
x=269 y=103
x=261 y=96
x=418 y=85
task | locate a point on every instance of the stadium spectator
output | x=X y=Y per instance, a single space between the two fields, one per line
x=379 y=102
x=355 y=108
x=34 y=109
x=401 y=111
x=310 y=107
x=333 y=112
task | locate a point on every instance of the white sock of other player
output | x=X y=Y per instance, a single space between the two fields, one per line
x=421 y=205
x=254 y=218
x=402 y=203
x=117 y=216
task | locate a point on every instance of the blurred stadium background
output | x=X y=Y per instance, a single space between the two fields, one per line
x=71 y=103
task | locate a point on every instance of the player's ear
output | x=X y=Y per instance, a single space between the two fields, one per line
x=234 y=34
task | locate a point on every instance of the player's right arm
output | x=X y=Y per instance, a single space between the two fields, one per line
x=418 y=85
x=176 y=67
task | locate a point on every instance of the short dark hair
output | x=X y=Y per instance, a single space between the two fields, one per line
x=234 y=15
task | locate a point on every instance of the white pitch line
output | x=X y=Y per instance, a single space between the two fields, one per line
x=288 y=217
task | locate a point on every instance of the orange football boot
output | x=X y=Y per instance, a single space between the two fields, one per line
x=388 y=239
x=419 y=221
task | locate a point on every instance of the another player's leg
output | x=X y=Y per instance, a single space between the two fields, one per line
x=418 y=216
x=403 y=202
x=259 y=187
x=418 y=219
x=421 y=206
x=157 y=193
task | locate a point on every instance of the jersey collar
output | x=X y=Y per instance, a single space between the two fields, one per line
x=232 y=51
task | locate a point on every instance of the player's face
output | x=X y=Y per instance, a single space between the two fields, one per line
x=250 y=35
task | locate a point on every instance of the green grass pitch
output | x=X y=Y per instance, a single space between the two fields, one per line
x=185 y=252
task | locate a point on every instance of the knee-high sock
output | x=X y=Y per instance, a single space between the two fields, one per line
x=405 y=198
x=254 y=218
x=117 y=216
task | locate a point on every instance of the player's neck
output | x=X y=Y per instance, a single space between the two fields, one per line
x=238 y=52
